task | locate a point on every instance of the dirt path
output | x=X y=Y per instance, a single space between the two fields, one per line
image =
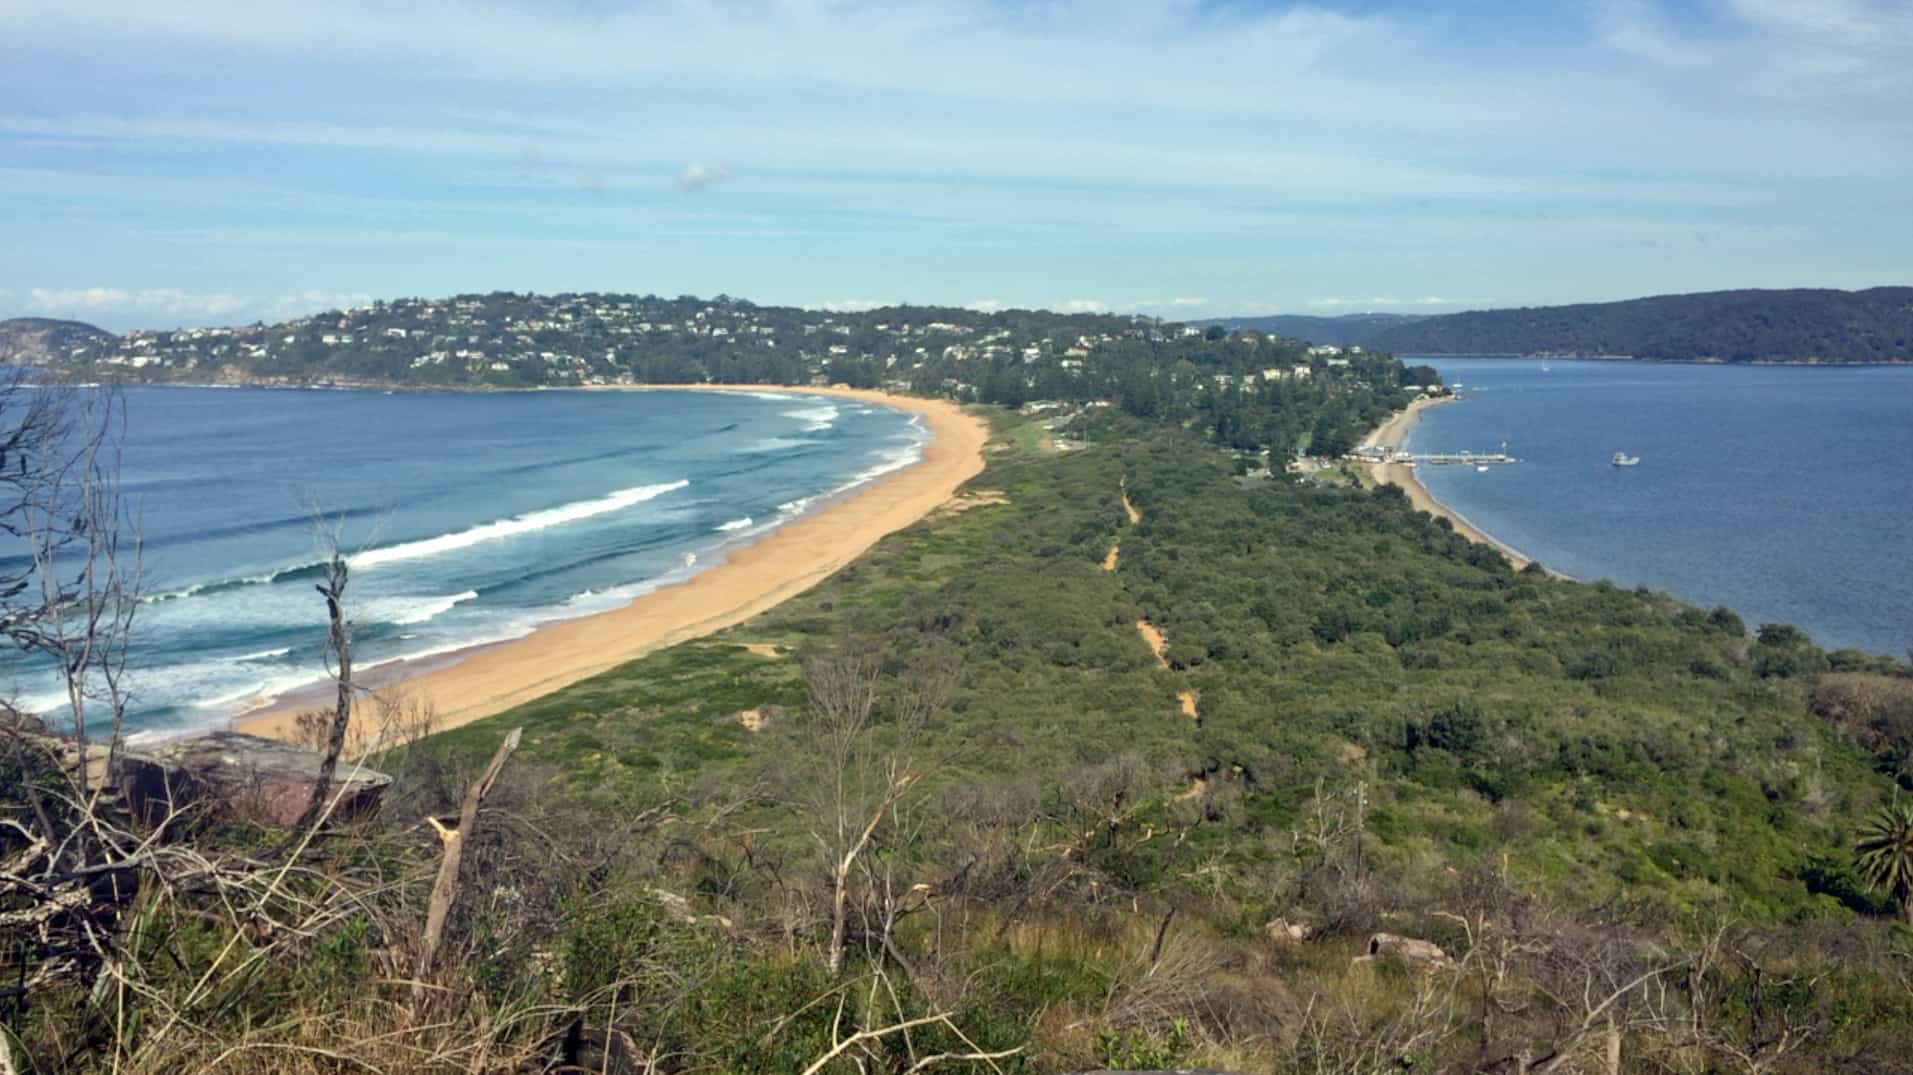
x=1188 y=700
x=1114 y=555
x=1151 y=635
x=1158 y=645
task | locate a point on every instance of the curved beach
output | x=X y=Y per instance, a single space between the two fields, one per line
x=785 y=562
x=1392 y=434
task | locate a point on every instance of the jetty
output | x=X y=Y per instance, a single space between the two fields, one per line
x=1381 y=454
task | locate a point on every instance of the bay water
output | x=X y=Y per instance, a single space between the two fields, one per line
x=1782 y=492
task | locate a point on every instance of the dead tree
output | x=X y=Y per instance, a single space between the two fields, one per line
x=445 y=887
x=338 y=651
x=72 y=604
x=864 y=780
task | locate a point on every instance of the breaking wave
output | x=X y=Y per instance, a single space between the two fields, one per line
x=529 y=523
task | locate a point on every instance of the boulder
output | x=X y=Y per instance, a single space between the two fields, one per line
x=1284 y=931
x=1409 y=950
x=262 y=780
x=1160 y=1071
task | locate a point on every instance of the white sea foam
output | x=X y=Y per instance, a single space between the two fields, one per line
x=817 y=418
x=42 y=703
x=776 y=444
x=521 y=524
x=405 y=611
x=198 y=588
x=734 y=524
x=262 y=655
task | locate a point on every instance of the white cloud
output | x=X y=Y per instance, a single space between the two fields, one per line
x=854 y=306
x=164 y=306
x=1382 y=302
x=160 y=301
x=1082 y=306
x=698 y=176
x=986 y=306
x=1638 y=28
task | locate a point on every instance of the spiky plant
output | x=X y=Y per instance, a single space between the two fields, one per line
x=1884 y=853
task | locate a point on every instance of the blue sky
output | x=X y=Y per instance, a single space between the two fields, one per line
x=214 y=162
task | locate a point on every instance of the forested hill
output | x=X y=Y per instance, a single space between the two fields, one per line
x=1803 y=325
x=35 y=339
x=1329 y=331
x=1254 y=390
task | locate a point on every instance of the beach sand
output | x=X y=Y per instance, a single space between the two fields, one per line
x=783 y=563
x=1391 y=434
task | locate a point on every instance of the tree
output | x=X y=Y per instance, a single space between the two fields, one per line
x=864 y=782
x=338 y=651
x=1331 y=437
x=1884 y=854
x=71 y=598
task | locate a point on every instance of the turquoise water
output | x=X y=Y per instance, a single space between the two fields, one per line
x=469 y=518
x=1785 y=493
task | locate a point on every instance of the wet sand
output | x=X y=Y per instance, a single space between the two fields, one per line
x=1391 y=434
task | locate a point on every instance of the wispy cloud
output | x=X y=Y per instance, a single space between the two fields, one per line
x=162 y=301
x=854 y=306
x=1082 y=306
x=162 y=306
x=1380 y=303
x=943 y=148
x=1640 y=29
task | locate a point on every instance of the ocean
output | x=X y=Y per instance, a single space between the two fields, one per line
x=467 y=518
x=1782 y=492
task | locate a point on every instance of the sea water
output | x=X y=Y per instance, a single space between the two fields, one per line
x=1783 y=492
x=465 y=518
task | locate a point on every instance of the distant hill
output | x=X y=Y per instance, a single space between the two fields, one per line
x=1339 y=331
x=1801 y=326
x=35 y=339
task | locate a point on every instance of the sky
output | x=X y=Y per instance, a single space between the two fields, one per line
x=214 y=162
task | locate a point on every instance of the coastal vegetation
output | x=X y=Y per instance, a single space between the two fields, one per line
x=509 y=340
x=1136 y=756
x=1801 y=325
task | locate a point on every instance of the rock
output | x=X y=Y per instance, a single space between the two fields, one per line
x=1286 y=932
x=1407 y=949
x=754 y=720
x=1160 y=1071
x=12 y=720
x=262 y=780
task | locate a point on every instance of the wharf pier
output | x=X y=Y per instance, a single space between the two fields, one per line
x=1465 y=459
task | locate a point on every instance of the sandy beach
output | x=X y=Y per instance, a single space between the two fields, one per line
x=1391 y=434
x=782 y=564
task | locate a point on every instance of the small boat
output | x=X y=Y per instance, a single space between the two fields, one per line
x=1481 y=468
x=1622 y=459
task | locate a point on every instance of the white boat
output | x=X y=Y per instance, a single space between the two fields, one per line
x=1622 y=459
x=1481 y=468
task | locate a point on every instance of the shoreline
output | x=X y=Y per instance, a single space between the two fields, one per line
x=484 y=679
x=1391 y=434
